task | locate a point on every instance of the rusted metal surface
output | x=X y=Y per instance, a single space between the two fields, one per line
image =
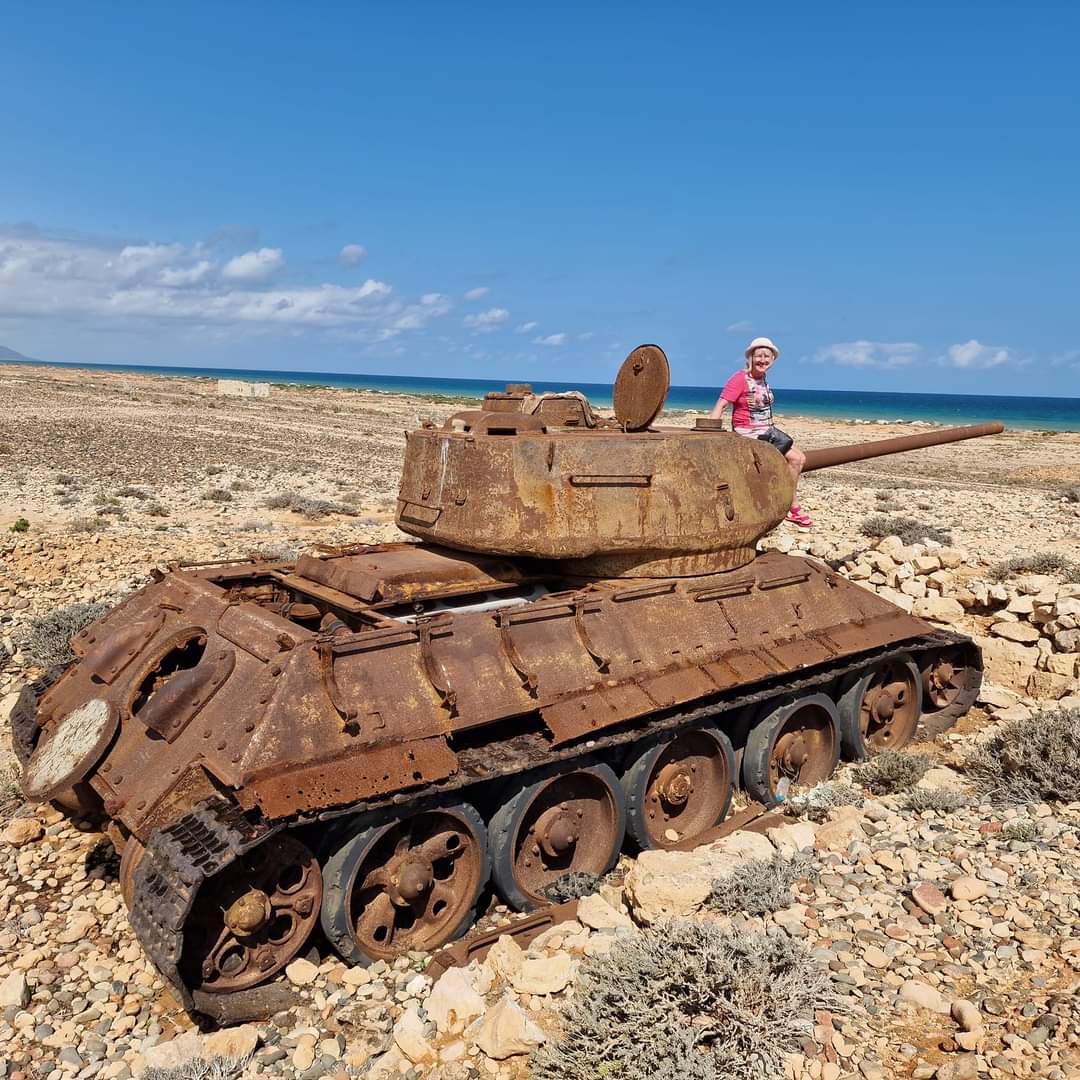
x=841 y=455
x=589 y=593
x=641 y=387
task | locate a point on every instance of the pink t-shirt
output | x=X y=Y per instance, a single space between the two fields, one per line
x=751 y=401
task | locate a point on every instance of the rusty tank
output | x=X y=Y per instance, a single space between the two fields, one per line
x=583 y=651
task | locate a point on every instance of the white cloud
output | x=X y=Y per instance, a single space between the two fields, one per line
x=587 y=336
x=525 y=327
x=254 y=265
x=551 y=339
x=351 y=254
x=866 y=354
x=743 y=326
x=181 y=276
x=486 y=321
x=477 y=294
x=973 y=354
x=95 y=283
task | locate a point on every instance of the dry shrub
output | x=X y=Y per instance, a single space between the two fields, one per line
x=688 y=1001
x=1020 y=829
x=156 y=509
x=910 y=530
x=1033 y=760
x=1044 y=562
x=760 y=886
x=131 y=492
x=818 y=802
x=215 y=1068
x=1072 y=494
x=940 y=800
x=88 y=524
x=892 y=771
x=307 y=505
x=217 y=495
x=572 y=886
x=47 y=641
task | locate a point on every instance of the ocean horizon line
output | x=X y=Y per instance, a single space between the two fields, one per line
x=1032 y=413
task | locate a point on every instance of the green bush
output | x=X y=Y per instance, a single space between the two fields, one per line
x=1033 y=760
x=20 y=525
x=910 y=530
x=760 y=886
x=688 y=1001
x=892 y=771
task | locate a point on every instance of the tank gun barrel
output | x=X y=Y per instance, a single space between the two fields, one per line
x=829 y=456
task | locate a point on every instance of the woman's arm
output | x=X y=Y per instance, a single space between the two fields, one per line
x=719 y=408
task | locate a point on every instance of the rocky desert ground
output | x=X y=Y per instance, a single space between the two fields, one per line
x=936 y=924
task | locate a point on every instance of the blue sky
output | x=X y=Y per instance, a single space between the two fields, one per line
x=889 y=191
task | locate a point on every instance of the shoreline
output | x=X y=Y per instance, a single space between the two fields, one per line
x=870 y=407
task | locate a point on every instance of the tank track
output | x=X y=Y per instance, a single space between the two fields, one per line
x=181 y=857
x=178 y=860
x=24 y=725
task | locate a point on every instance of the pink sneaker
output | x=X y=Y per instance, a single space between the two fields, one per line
x=799 y=518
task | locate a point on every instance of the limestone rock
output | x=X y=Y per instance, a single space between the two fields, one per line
x=506 y=1031
x=595 y=912
x=966 y=1015
x=544 y=974
x=79 y=927
x=929 y=897
x=844 y=826
x=941 y=777
x=174 y=1053
x=961 y=1067
x=411 y=1037
x=454 y=1001
x=236 y=1042
x=968 y=888
x=21 y=831
x=302 y=972
x=938 y=609
x=924 y=996
x=674 y=884
x=791 y=839
x=14 y=991
x=504 y=958
x=1022 y=632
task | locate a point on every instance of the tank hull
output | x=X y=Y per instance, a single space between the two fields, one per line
x=240 y=702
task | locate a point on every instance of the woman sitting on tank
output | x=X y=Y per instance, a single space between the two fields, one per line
x=750 y=397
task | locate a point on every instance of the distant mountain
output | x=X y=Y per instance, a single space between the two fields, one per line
x=11 y=354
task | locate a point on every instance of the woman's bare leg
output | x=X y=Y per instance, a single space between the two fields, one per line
x=796 y=459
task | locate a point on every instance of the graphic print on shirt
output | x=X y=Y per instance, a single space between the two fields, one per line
x=751 y=401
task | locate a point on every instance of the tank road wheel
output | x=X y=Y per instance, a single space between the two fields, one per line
x=679 y=788
x=570 y=821
x=797 y=743
x=951 y=679
x=880 y=708
x=251 y=919
x=406 y=884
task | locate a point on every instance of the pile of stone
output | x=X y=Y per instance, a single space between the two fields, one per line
x=1028 y=628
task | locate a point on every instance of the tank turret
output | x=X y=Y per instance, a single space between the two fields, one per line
x=543 y=477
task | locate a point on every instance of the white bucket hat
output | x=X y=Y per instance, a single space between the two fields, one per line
x=761 y=343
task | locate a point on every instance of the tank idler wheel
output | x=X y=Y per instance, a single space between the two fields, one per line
x=251 y=919
x=568 y=821
x=880 y=708
x=679 y=788
x=951 y=679
x=796 y=744
x=409 y=883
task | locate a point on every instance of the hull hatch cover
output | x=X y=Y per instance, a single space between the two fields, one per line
x=69 y=749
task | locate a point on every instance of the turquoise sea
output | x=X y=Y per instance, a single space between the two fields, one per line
x=1032 y=413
